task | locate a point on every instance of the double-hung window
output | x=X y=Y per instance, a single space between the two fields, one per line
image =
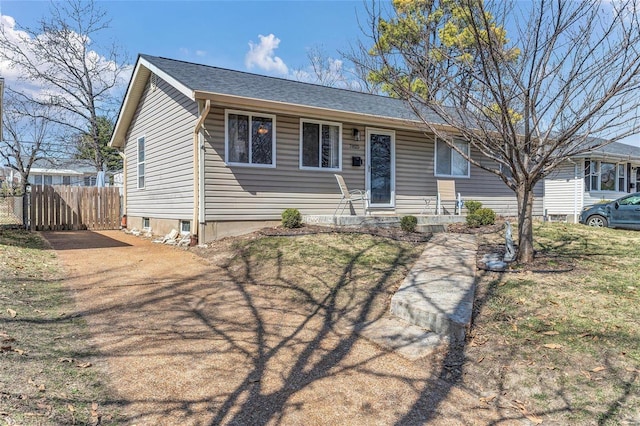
x=320 y=145
x=250 y=139
x=449 y=162
x=141 y=156
x=604 y=176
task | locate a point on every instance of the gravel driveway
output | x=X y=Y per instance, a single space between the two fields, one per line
x=185 y=344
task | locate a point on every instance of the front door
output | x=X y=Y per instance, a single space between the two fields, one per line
x=381 y=168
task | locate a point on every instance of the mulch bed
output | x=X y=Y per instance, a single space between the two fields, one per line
x=543 y=262
x=387 y=232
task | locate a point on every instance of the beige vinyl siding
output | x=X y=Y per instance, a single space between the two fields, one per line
x=165 y=118
x=253 y=193
x=415 y=180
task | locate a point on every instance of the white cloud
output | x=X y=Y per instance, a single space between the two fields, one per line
x=262 y=55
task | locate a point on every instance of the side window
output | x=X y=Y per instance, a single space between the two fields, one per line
x=250 y=139
x=141 y=163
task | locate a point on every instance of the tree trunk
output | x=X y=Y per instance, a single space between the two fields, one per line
x=525 y=223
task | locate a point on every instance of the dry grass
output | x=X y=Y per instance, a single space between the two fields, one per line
x=564 y=345
x=312 y=271
x=46 y=374
x=555 y=347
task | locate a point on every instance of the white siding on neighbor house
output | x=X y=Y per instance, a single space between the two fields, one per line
x=563 y=189
x=165 y=118
x=252 y=193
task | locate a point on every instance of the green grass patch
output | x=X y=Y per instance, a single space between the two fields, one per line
x=47 y=375
x=576 y=332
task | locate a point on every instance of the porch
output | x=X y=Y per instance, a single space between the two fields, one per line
x=426 y=223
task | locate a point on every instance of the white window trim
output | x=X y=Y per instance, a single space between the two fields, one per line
x=435 y=159
x=138 y=162
x=596 y=166
x=182 y=223
x=320 y=168
x=250 y=114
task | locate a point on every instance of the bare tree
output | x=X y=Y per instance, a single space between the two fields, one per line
x=563 y=82
x=338 y=72
x=59 y=57
x=28 y=136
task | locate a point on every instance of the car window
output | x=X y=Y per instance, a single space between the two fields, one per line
x=630 y=201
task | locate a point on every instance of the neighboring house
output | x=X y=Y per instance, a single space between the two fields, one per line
x=70 y=172
x=603 y=174
x=221 y=152
x=10 y=177
x=63 y=172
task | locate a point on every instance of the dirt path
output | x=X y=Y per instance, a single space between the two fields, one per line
x=184 y=343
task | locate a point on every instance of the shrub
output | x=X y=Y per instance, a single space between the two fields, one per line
x=291 y=218
x=472 y=206
x=481 y=217
x=409 y=223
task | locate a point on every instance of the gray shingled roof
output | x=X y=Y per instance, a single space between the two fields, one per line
x=614 y=149
x=81 y=166
x=211 y=79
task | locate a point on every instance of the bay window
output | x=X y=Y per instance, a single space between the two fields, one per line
x=605 y=176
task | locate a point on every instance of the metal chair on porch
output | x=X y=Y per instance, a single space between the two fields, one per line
x=447 y=194
x=349 y=196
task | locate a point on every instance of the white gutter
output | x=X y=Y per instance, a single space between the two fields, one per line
x=196 y=169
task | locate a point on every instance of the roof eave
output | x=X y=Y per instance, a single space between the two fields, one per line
x=141 y=73
x=603 y=155
x=317 y=112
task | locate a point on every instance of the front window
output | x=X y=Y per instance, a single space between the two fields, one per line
x=48 y=180
x=320 y=145
x=250 y=139
x=66 y=180
x=37 y=179
x=449 y=162
x=604 y=176
x=141 y=162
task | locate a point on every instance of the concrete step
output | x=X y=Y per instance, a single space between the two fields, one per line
x=410 y=341
x=438 y=292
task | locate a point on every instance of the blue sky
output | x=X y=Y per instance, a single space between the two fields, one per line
x=220 y=33
x=260 y=36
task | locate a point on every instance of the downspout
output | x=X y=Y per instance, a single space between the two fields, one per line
x=124 y=185
x=575 y=191
x=196 y=171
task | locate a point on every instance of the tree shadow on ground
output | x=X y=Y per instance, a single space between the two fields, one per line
x=237 y=342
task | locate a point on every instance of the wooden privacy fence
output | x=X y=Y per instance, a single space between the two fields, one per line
x=55 y=208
